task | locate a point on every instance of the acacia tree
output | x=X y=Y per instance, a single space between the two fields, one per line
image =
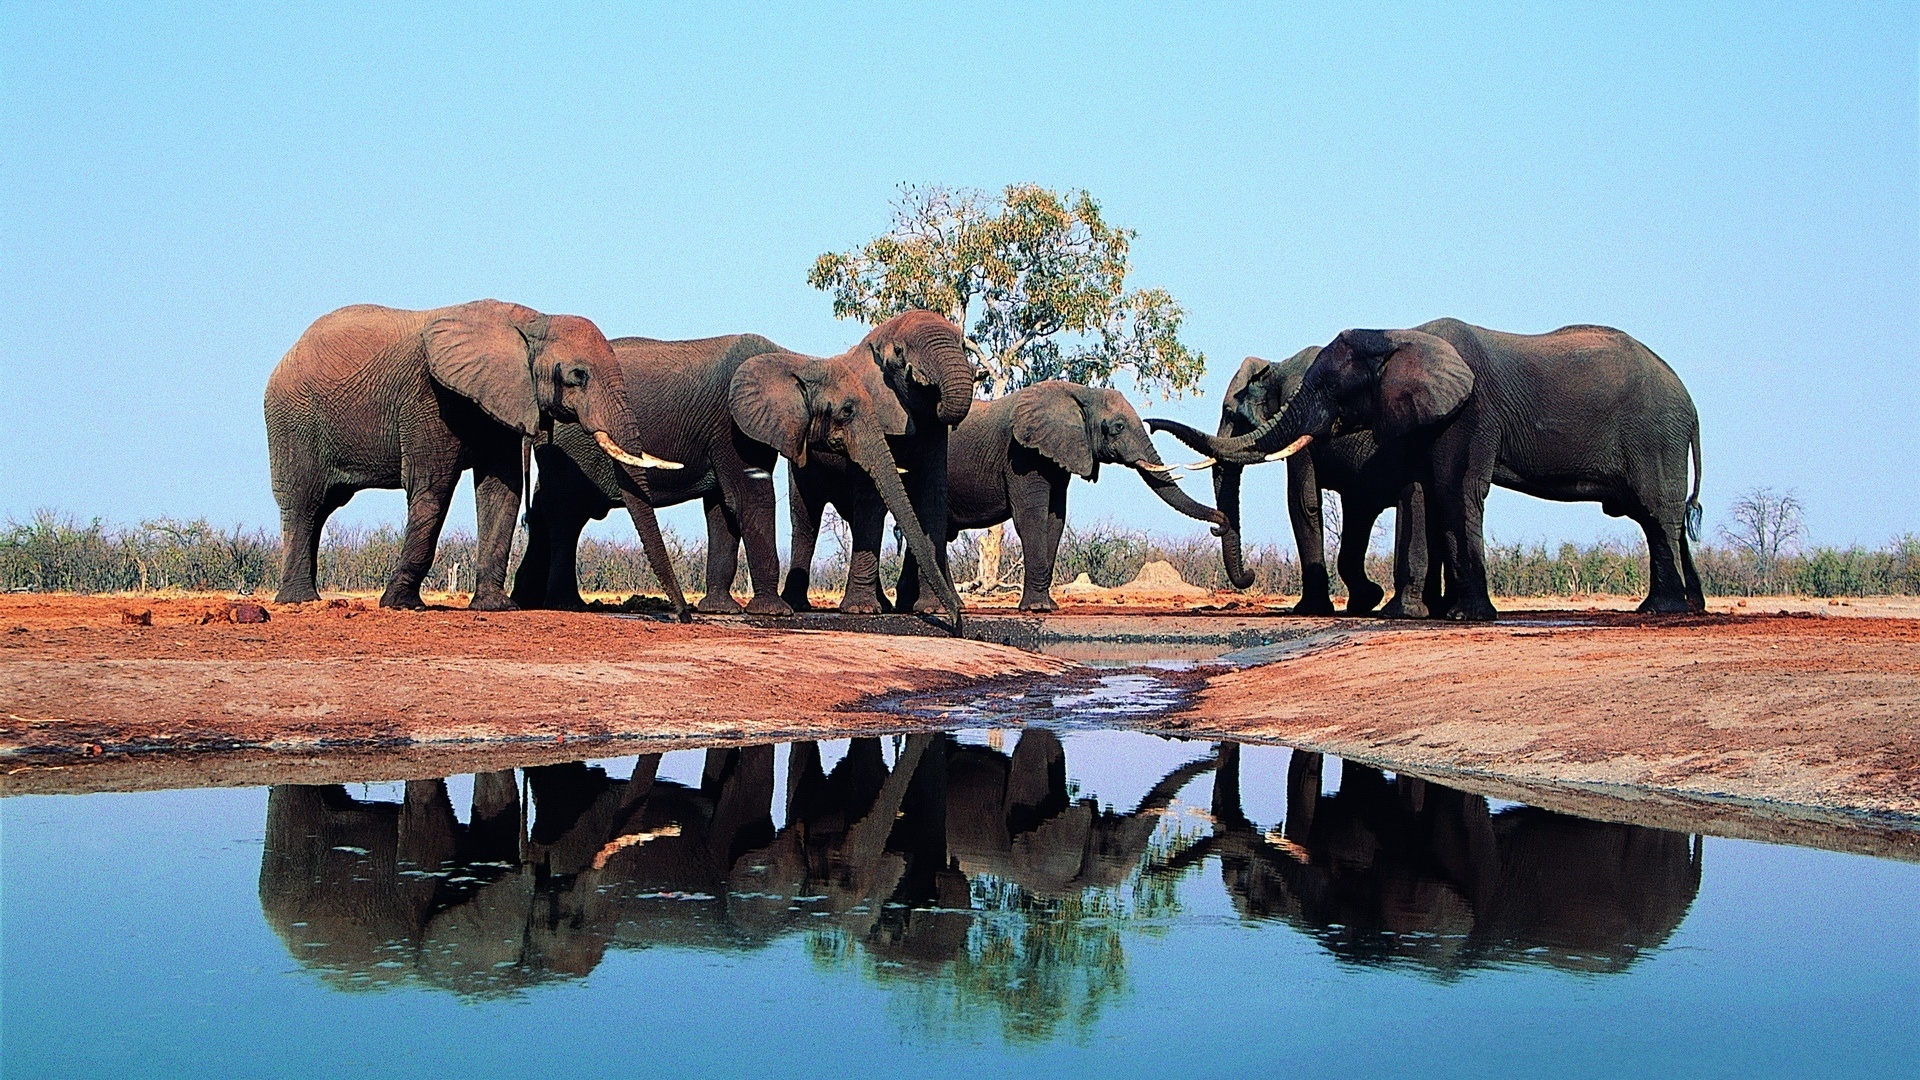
x=1766 y=525
x=1035 y=278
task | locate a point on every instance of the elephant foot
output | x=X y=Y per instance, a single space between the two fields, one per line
x=1401 y=608
x=1478 y=610
x=492 y=598
x=403 y=598
x=1316 y=605
x=1665 y=605
x=769 y=605
x=718 y=603
x=1043 y=602
x=797 y=600
x=1363 y=600
x=860 y=605
x=573 y=602
x=290 y=594
x=929 y=605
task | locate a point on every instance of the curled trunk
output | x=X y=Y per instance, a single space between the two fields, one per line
x=868 y=448
x=1301 y=417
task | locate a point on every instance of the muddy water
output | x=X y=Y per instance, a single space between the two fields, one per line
x=1065 y=900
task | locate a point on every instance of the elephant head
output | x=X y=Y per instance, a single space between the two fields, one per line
x=1079 y=427
x=1259 y=390
x=842 y=404
x=527 y=370
x=924 y=355
x=1390 y=382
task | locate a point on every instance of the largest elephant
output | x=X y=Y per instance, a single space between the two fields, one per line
x=726 y=407
x=1370 y=476
x=924 y=360
x=1581 y=413
x=377 y=397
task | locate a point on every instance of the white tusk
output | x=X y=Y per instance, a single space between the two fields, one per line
x=899 y=470
x=759 y=474
x=1204 y=463
x=1148 y=466
x=1291 y=449
x=644 y=461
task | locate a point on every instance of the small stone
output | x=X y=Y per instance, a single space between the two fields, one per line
x=143 y=617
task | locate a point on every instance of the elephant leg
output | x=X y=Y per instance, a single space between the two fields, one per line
x=1666 y=548
x=428 y=493
x=1462 y=476
x=723 y=560
x=1309 y=536
x=804 y=508
x=1356 y=531
x=868 y=526
x=1039 y=517
x=496 y=498
x=1411 y=585
x=303 y=517
x=747 y=487
x=531 y=578
x=563 y=560
x=927 y=491
x=1304 y=769
x=1228 y=815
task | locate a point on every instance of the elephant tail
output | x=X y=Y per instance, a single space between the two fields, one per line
x=1694 y=512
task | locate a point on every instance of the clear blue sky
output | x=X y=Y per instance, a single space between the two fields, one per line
x=182 y=190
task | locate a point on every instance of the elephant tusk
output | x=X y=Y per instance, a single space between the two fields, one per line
x=1204 y=463
x=644 y=461
x=900 y=470
x=1148 y=466
x=1291 y=448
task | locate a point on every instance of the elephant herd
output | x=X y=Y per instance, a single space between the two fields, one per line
x=899 y=859
x=1423 y=420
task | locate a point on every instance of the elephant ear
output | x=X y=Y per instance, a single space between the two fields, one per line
x=1048 y=417
x=1423 y=381
x=1253 y=368
x=484 y=351
x=768 y=400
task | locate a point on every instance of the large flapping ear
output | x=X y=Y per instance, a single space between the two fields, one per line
x=1049 y=417
x=883 y=404
x=1422 y=382
x=769 y=402
x=1251 y=369
x=483 y=351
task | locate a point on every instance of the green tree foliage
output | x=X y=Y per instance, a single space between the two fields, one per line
x=1037 y=278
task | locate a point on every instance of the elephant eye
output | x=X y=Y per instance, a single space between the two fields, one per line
x=576 y=376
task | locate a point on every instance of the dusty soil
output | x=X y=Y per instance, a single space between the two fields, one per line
x=83 y=677
x=1817 y=712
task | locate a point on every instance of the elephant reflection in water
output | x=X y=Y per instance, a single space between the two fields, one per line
x=377 y=893
x=1390 y=871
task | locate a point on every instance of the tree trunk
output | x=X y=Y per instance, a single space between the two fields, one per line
x=989 y=578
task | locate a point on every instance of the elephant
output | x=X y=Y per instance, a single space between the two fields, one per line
x=726 y=408
x=1390 y=871
x=924 y=359
x=376 y=397
x=1581 y=413
x=1370 y=477
x=1013 y=457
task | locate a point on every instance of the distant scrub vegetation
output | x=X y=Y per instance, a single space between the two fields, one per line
x=52 y=552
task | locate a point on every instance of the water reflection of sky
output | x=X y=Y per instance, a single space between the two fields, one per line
x=135 y=943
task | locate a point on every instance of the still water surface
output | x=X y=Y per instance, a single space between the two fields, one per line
x=1082 y=902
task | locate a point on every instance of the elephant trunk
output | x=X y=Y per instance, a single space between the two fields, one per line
x=956 y=377
x=868 y=448
x=616 y=427
x=1226 y=494
x=1305 y=417
x=1154 y=472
